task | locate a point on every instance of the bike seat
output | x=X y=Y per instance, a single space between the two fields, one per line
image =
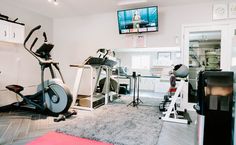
x=15 y=88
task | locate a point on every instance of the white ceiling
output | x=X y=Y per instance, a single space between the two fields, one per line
x=70 y=8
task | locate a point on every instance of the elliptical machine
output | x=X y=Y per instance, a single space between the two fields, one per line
x=53 y=97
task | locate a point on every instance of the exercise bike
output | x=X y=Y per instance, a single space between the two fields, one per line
x=53 y=97
x=170 y=104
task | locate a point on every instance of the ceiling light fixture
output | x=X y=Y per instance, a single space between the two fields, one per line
x=54 y=2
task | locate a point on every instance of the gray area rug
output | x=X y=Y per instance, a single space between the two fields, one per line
x=118 y=124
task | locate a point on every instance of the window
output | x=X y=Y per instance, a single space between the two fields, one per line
x=141 y=62
x=168 y=58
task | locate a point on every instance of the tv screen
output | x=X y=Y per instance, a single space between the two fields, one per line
x=138 y=20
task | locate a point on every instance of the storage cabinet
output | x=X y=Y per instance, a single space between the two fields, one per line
x=11 y=32
x=17 y=33
x=4 y=30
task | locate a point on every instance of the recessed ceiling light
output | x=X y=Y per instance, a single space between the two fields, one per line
x=49 y=0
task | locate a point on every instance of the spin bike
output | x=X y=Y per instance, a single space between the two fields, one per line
x=53 y=97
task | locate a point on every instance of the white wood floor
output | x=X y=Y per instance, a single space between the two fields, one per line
x=171 y=133
x=178 y=134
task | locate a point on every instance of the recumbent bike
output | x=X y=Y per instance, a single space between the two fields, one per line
x=53 y=97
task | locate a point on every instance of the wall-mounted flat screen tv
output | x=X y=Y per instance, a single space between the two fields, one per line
x=138 y=20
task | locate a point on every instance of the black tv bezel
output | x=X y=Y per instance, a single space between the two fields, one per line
x=135 y=9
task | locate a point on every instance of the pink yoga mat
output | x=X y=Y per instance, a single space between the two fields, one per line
x=54 y=138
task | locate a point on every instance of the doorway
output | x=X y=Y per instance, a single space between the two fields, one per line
x=204 y=47
x=204 y=54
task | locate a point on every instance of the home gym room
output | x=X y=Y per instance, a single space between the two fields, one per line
x=117 y=72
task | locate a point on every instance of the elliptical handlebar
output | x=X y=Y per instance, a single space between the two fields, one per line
x=45 y=37
x=43 y=52
x=32 y=45
x=30 y=33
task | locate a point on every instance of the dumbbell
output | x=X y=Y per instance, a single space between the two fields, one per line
x=62 y=117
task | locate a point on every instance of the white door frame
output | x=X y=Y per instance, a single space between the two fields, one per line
x=232 y=36
x=225 y=49
x=232 y=29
